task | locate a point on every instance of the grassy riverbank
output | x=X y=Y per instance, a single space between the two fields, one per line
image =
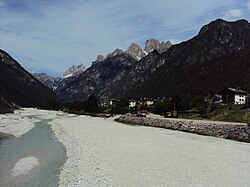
x=223 y=113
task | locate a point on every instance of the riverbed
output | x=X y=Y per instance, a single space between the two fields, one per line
x=101 y=152
x=33 y=158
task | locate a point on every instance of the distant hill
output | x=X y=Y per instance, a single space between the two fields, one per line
x=58 y=83
x=216 y=58
x=46 y=79
x=19 y=85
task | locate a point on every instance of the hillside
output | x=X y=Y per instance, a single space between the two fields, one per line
x=19 y=85
x=98 y=79
x=214 y=59
x=5 y=106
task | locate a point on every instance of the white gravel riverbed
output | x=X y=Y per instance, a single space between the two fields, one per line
x=105 y=153
x=22 y=121
x=101 y=152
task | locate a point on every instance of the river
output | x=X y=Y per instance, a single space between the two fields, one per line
x=38 y=143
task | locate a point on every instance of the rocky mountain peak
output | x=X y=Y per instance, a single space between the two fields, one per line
x=153 y=44
x=217 y=23
x=115 y=53
x=135 y=51
x=223 y=26
x=74 y=70
x=224 y=35
x=99 y=58
x=164 y=46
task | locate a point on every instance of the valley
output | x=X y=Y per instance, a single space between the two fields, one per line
x=68 y=130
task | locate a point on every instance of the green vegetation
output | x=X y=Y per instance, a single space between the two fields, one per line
x=230 y=113
x=181 y=104
x=76 y=107
x=120 y=107
x=188 y=107
x=89 y=107
x=233 y=114
x=91 y=104
x=195 y=107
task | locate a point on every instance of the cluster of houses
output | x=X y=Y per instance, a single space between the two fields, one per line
x=227 y=96
x=142 y=102
x=134 y=103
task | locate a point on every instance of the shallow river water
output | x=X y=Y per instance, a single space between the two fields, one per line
x=40 y=143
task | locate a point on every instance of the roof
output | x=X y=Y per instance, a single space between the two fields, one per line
x=237 y=91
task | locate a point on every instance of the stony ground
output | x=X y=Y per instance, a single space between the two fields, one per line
x=105 y=153
x=101 y=152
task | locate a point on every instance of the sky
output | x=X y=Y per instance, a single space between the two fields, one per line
x=51 y=35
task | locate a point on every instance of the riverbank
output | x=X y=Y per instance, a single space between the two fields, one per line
x=33 y=156
x=101 y=152
x=4 y=136
x=23 y=120
x=17 y=123
x=227 y=130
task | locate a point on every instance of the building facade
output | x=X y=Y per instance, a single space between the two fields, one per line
x=234 y=96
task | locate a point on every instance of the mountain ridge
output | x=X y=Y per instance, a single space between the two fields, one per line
x=19 y=85
x=135 y=50
x=215 y=40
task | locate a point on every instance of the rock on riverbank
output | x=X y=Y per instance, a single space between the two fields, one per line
x=227 y=130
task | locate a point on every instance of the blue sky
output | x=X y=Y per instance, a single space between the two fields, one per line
x=51 y=35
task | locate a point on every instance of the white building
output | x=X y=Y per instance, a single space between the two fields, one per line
x=239 y=99
x=149 y=102
x=132 y=103
x=235 y=96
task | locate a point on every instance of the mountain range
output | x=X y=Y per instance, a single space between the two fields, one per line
x=217 y=57
x=107 y=73
x=202 y=65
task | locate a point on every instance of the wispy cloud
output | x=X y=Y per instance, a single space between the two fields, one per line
x=234 y=13
x=60 y=33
